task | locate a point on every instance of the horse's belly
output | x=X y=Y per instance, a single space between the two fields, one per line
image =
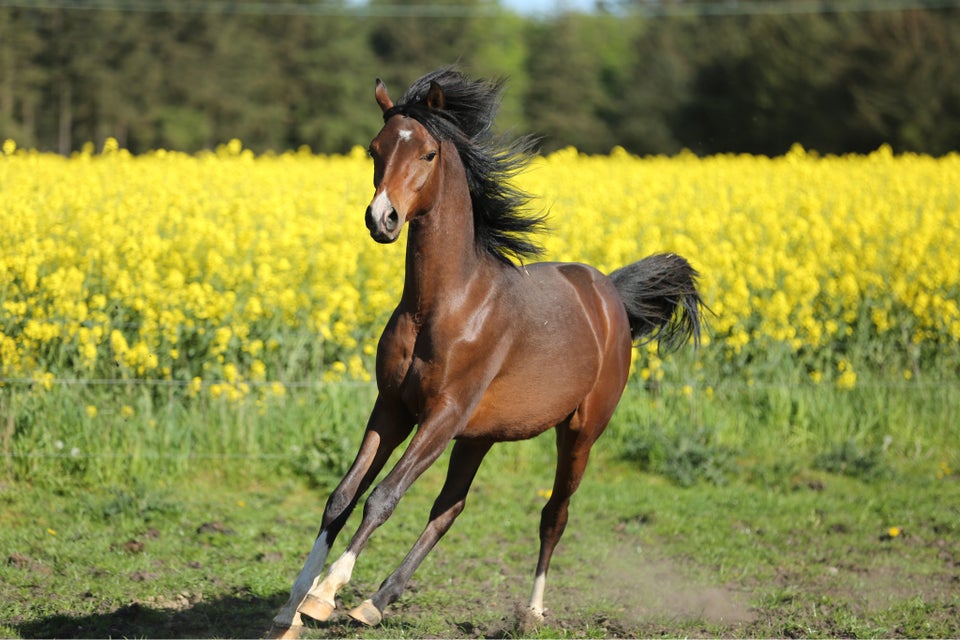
x=517 y=409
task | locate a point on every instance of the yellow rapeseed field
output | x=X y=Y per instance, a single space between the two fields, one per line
x=232 y=274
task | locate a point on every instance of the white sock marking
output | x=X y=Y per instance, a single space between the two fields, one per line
x=536 y=597
x=339 y=575
x=306 y=581
x=342 y=569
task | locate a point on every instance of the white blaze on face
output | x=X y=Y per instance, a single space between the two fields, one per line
x=380 y=206
x=405 y=134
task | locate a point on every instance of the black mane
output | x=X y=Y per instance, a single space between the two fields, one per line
x=501 y=227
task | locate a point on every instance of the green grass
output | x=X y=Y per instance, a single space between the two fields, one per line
x=807 y=555
x=689 y=431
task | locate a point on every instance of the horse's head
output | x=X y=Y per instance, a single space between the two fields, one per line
x=406 y=167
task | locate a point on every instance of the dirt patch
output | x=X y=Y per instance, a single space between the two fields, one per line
x=20 y=561
x=180 y=602
x=645 y=588
x=629 y=593
x=215 y=527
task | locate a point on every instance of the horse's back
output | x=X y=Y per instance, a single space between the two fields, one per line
x=581 y=291
x=602 y=310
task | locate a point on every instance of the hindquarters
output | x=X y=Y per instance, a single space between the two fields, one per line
x=661 y=299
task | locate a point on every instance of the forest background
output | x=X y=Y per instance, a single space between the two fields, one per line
x=650 y=76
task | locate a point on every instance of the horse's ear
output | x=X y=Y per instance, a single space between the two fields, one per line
x=382 y=98
x=435 y=99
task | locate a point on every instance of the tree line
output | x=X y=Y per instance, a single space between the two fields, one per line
x=190 y=76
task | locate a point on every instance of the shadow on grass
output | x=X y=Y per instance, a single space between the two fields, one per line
x=246 y=616
x=228 y=617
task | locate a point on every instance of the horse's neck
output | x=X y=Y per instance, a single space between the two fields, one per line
x=442 y=259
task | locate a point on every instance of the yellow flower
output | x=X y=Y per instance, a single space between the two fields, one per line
x=191 y=263
x=45 y=380
x=848 y=378
x=91 y=411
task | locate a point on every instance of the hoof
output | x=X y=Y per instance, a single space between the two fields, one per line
x=285 y=632
x=367 y=613
x=529 y=620
x=316 y=608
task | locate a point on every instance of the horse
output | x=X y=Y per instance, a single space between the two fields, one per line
x=482 y=347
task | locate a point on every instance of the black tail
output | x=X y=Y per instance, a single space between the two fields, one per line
x=660 y=294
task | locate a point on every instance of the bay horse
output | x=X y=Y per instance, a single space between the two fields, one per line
x=481 y=347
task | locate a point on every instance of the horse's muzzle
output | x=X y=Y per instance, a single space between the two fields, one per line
x=383 y=219
x=384 y=228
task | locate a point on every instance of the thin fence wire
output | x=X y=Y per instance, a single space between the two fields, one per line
x=157 y=382
x=150 y=455
x=428 y=10
x=316 y=384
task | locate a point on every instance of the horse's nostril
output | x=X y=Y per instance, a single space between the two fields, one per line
x=392 y=220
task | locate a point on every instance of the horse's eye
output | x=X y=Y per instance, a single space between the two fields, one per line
x=430 y=156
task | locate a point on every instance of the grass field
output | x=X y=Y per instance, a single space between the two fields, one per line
x=804 y=555
x=673 y=533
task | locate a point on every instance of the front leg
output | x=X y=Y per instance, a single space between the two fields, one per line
x=288 y=623
x=426 y=446
x=388 y=427
x=464 y=462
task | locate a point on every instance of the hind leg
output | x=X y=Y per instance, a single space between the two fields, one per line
x=575 y=437
x=573 y=452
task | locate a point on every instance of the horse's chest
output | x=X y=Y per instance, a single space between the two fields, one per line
x=407 y=364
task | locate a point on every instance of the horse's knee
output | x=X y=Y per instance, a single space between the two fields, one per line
x=338 y=504
x=381 y=503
